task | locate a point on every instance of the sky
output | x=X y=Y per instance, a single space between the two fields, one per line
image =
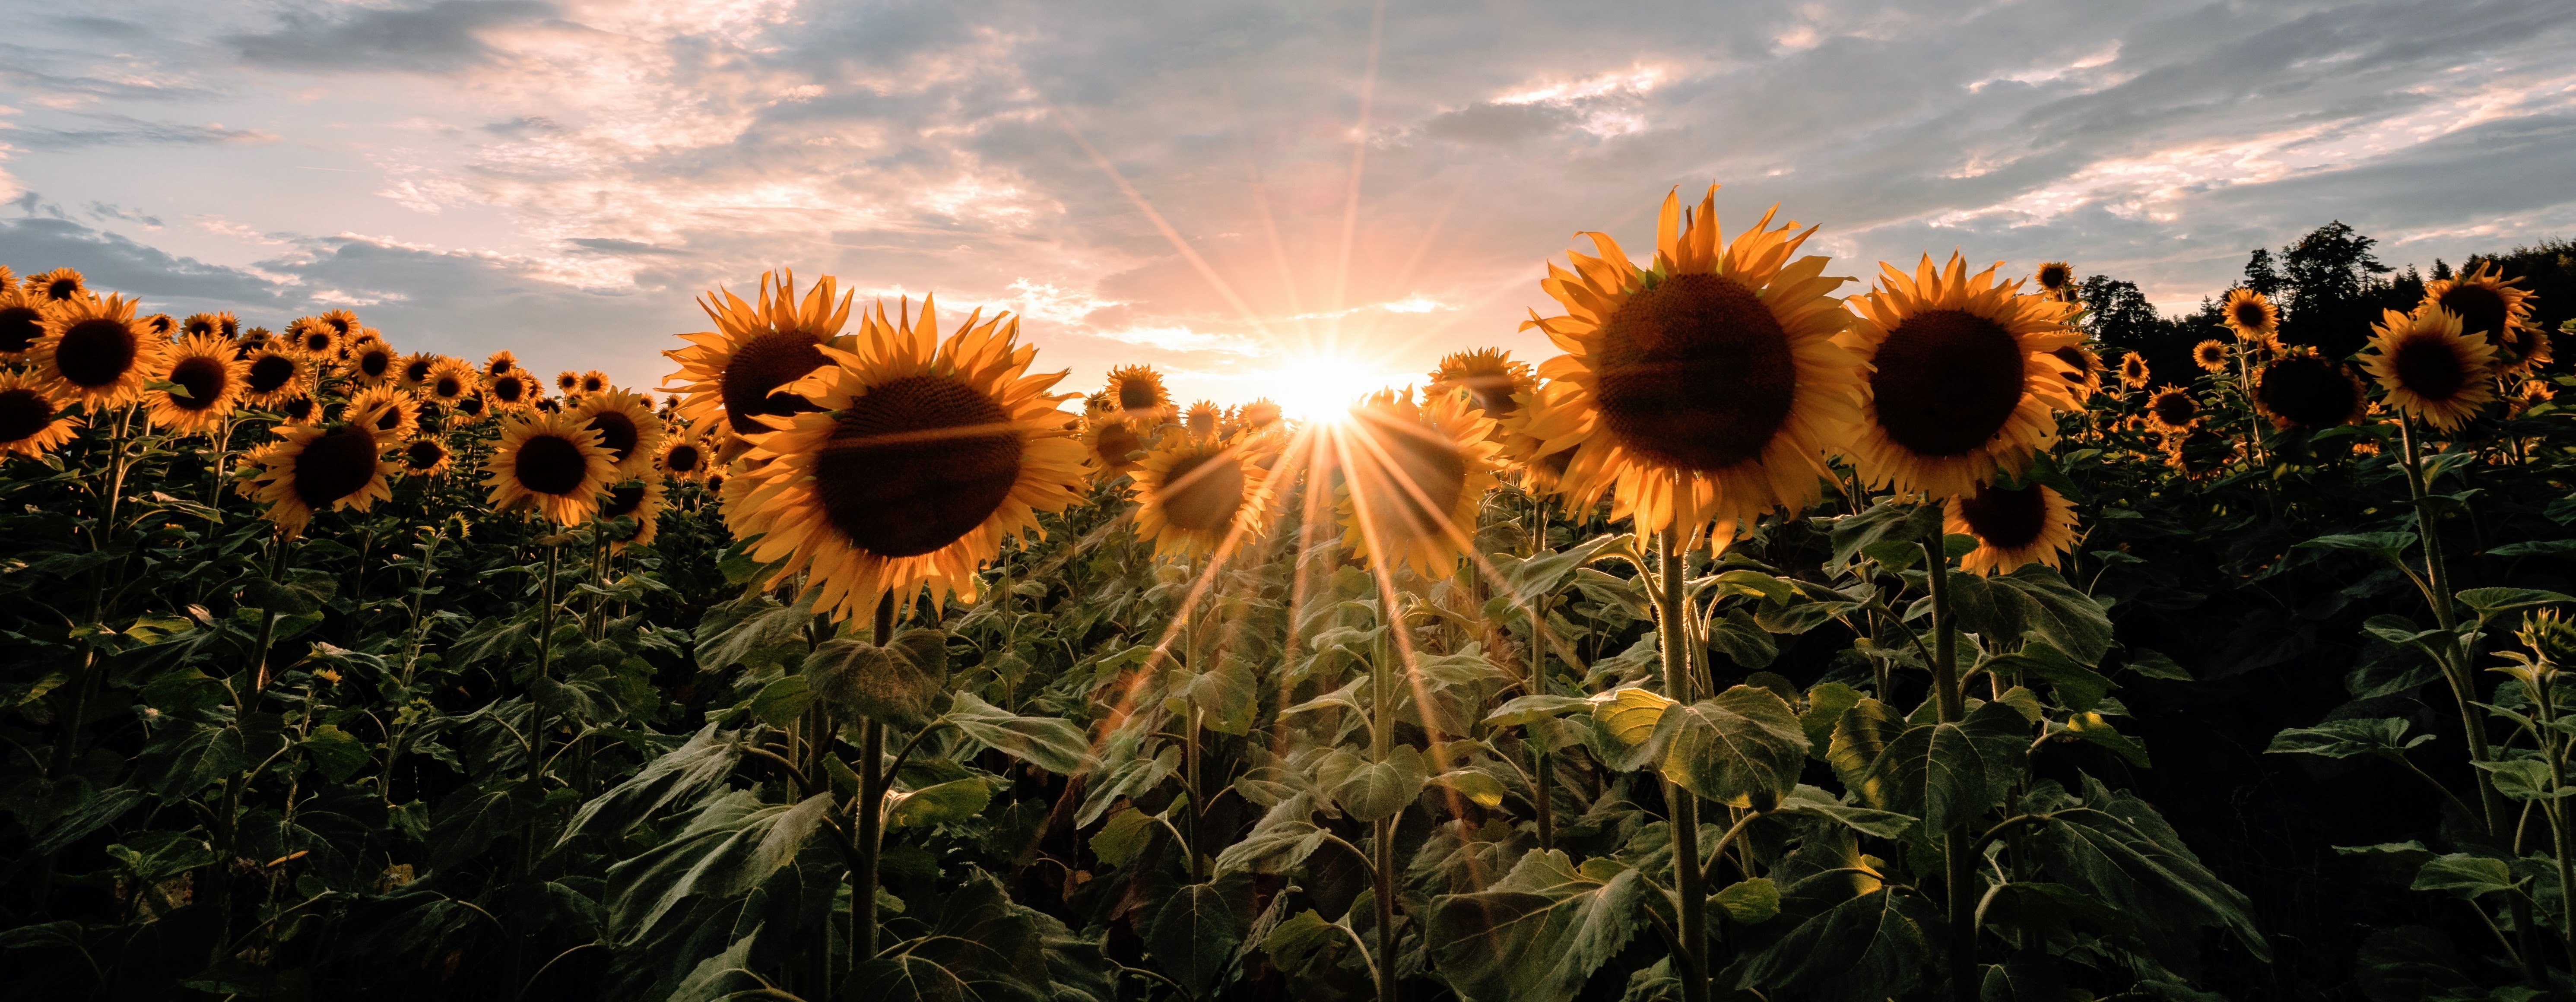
x=1302 y=200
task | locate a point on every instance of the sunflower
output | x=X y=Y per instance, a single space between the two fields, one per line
x=512 y=390
x=2252 y=316
x=316 y=468
x=1488 y=376
x=449 y=381
x=551 y=462
x=254 y=339
x=637 y=501
x=568 y=382
x=683 y=458
x=1258 y=415
x=270 y=377
x=1137 y=391
x=2532 y=393
x=472 y=406
x=1113 y=445
x=1202 y=418
x=425 y=457
x=209 y=381
x=2304 y=389
x=595 y=381
x=626 y=427
x=32 y=422
x=758 y=359
x=1541 y=471
x=2013 y=527
x=2172 y=410
x=313 y=338
x=22 y=321
x=1417 y=474
x=161 y=325
x=1196 y=494
x=390 y=413
x=2133 y=371
x=1706 y=387
x=61 y=285
x=221 y=325
x=2500 y=308
x=1961 y=382
x=925 y=455
x=374 y=363
x=300 y=409
x=94 y=352
x=500 y=362
x=2430 y=369
x=2057 y=279
x=343 y=323
x=2082 y=370
x=2211 y=355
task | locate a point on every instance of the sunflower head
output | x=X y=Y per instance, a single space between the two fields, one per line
x=500 y=362
x=22 y=321
x=2500 y=308
x=923 y=455
x=1202 y=419
x=2251 y=315
x=1259 y=415
x=1137 y=392
x=95 y=352
x=61 y=285
x=1414 y=475
x=221 y=324
x=2031 y=524
x=2429 y=368
x=627 y=428
x=2133 y=371
x=2054 y=276
x=374 y=363
x=2304 y=389
x=628 y=513
x=425 y=457
x=300 y=409
x=1198 y=496
x=2081 y=368
x=450 y=380
x=313 y=338
x=2172 y=410
x=315 y=468
x=32 y=421
x=206 y=381
x=512 y=390
x=2210 y=355
x=271 y=376
x=2532 y=393
x=472 y=406
x=343 y=323
x=161 y=325
x=762 y=359
x=1707 y=386
x=552 y=462
x=390 y=413
x=1962 y=380
x=1488 y=376
x=254 y=339
x=684 y=458
x=596 y=381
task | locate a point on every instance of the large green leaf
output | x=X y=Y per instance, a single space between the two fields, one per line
x=1196 y=932
x=2079 y=687
x=2035 y=601
x=2121 y=852
x=983 y=949
x=1537 y=934
x=1870 y=946
x=677 y=776
x=2347 y=738
x=1376 y=790
x=1049 y=743
x=2464 y=875
x=755 y=631
x=1889 y=521
x=1945 y=773
x=336 y=753
x=1742 y=747
x=893 y=684
x=731 y=846
x=939 y=803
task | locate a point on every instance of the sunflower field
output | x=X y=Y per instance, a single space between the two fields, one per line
x=1782 y=636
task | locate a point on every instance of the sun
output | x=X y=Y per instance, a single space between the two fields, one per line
x=1322 y=388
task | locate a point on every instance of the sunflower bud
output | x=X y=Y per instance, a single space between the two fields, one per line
x=2551 y=639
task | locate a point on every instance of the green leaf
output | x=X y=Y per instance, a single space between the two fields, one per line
x=335 y=752
x=2035 y=601
x=1887 y=521
x=2491 y=602
x=2079 y=687
x=179 y=690
x=1304 y=945
x=2388 y=546
x=1740 y=749
x=1750 y=902
x=1049 y=743
x=1746 y=581
x=1945 y=773
x=894 y=684
x=782 y=701
x=2464 y=875
x=1537 y=934
x=1195 y=934
x=982 y=948
x=2347 y=738
x=1478 y=786
x=2155 y=665
x=2117 y=849
x=1275 y=847
x=2091 y=727
x=1870 y=946
x=1122 y=837
x=1527 y=710
x=940 y=803
x=1629 y=714
x=1825 y=704
x=1378 y=790
x=1742 y=640
x=678 y=776
x=2524 y=779
x=731 y=846
x=1812 y=802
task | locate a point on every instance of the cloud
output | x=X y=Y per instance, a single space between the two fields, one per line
x=442 y=36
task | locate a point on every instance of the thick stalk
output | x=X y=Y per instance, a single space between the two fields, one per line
x=2437 y=573
x=1381 y=736
x=1959 y=850
x=1673 y=636
x=871 y=818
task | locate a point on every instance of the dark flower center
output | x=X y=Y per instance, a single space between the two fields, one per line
x=448 y=388
x=2249 y=315
x=203 y=378
x=622 y=501
x=2174 y=407
x=1695 y=373
x=416 y=371
x=2480 y=309
x=550 y=464
x=316 y=341
x=23 y=414
x=270 y=373
x=471 y=406
x=1115 y=442
x=96 y=352
x=915 y=464
x=298 y=409
x=617 y=433
x=683 y=459
x=2427 y=366
x=1947 y=381
x=389 y=417
x=2307 y=392
x=1202 y=492
x=509 y=389
x=20 y=326
x=62 y=288
x=374 y=363
x=2004 y=518
x=759 y=367
x=1137 y=394
x=423 y=454
x=2053 y=277
x=335 y=466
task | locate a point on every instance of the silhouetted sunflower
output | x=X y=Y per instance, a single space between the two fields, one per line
x=1488 y=375
x=209 y=379
x=551 y=462
x=1194 y=493
x=2488 y=303
x=2056 y=278
x=425 y=457
x=94 y=352
x=32 y=422
x=924 y=457
x=761 y=359
x=314 y=468
x=161 y=325
x=2172 y=410
x=449 y=382
x=472 y=406
x=2133 y=371
x=512 y=390
x=254 y=339
x=373 y=363
x=1961 y=382
x=637 y=501
x=2252 y=316
x=2210 y=356
x=1706 y=387
x=626 y=427
x=2304 y=389
x=271 y=377
x=500 y=362
x=1414 y=475
x=390 y=413
x=2532 y=393
x=22 y=321
x=2429 y=368
x=2014 y=527
x=684 y=458
x=61 y=285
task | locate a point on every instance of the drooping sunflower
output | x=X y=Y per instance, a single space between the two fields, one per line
x=449 y=382
x=551 y=462
x=210 y=383
x=1194 y=493
x=1137 y=391
x=425 y=457
x=1415 y=474
x=2532 y=393
x=313 y=338
x=373 y=363
x=2082 y=370
x=2428 y=367
x=2252 y=316
x=316 y=468
x=61 y=285
x=221 y=324
x=1961 y=382
x=22 y=321
x=2304 y=389
x=2133 y=371
x=2490 y=304
x=94 y=352
x=596 y=381
x=271 y=377
x=683 y=458
x=762 y=359
x=637 y=501
x=390 y=413
x=924 y=456
x=1489 y=376
x=1541 y=471
x=1707 y=386
x=2172 y=410
x=626 y=427
x=2014 y=527
x=512 y=390
x=500 y=362
x=32 y=422
x=2210 y=355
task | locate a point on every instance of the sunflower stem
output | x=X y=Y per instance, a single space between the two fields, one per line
x=871 y=820
x=1958 y=845
x=1687 y=877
